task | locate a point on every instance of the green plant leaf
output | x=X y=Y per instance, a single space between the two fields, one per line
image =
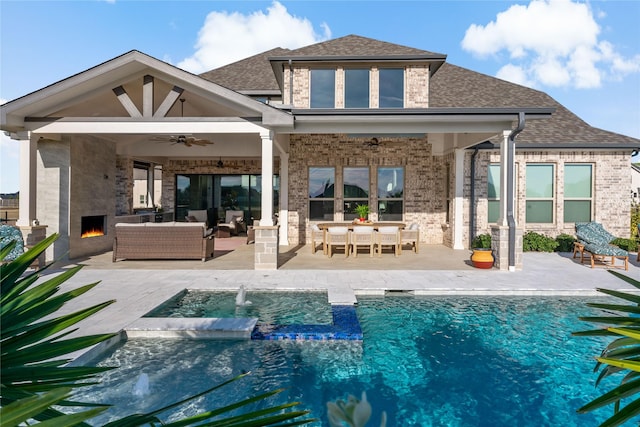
x=23 y=410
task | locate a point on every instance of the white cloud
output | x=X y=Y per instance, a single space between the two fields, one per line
x=230 y=36
x=550 y=42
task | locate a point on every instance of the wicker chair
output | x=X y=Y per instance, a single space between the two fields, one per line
x=410 y=236
x=338 y=236
x=362 y=235
x=388 y=236
x=317 y=235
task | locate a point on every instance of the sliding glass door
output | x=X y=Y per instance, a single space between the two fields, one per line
x=220 y=193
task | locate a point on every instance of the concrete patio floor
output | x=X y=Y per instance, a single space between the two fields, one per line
x=139 y=286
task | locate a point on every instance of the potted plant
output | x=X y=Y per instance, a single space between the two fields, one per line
x=482 y=256
x=362 y=211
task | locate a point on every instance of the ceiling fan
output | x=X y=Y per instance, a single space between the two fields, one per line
x=186 y=140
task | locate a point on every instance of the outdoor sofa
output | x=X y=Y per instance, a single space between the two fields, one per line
x=163 y=240
x=595 y=241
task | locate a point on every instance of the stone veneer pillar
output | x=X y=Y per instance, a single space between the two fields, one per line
x=33 y=235
x=266 y=247
x=500 y=247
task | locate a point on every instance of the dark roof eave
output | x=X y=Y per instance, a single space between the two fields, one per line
x=579 y=145
x=537 y=112
x=360 y=58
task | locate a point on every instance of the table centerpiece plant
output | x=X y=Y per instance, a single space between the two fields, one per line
x=363 y=212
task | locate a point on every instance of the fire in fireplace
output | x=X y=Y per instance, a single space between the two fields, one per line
x=93 y=226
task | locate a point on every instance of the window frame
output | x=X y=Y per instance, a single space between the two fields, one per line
x=393 y=200
x=348 y=86
x=349 y=212
x=382 y=93
x=322 y=103
x=590 y=199
x=326 y=201
x=552 y=199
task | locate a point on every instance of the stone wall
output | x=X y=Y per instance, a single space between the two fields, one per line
x=416 y=87
x=76 y=177
x=611 y=180
x=424 y=192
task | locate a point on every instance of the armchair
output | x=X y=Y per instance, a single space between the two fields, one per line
x=234 y=222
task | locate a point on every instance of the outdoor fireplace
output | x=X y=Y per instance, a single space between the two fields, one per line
x=93 y=226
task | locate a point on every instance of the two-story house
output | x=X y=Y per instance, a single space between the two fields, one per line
x=331 y=125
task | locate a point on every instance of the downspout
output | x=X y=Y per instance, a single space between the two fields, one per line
x=511 y=222
x=472 y=205
x=290 y=83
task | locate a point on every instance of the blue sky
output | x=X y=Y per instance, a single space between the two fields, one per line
x=584 y=54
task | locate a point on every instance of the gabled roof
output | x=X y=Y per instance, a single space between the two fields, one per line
x=251 y=76
x=455 y=86
x=359 y=49
x=352 y=46
x=98 y=82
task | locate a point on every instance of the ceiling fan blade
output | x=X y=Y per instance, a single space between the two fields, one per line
x=201 y=142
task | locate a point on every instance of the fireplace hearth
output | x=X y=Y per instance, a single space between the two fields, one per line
x=93 y=226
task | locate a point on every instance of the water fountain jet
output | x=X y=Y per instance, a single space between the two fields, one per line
x=241 y=297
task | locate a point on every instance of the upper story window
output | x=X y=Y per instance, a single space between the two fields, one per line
x=391 y=88
x=323 y=88
x=356 y=88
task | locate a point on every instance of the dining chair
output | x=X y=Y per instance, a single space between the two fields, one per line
x=317 y=235
x=338 y=236
x=388 y=236
x=362 y=235
x=410 y=236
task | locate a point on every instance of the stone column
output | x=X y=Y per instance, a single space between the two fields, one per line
x=458 y=204
x=500 y=247
x=500 y=231
x=283 y=215
x=267 y=179
x=266 y=247
x=32 y=235
x=28 y=156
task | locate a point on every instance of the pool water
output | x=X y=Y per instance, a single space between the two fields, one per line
x=281 y=308
x=426 y=361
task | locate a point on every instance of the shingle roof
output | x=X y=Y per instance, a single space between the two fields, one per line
x=451 y=86
x=454 y=86
x=353 y=45
x=250 y=74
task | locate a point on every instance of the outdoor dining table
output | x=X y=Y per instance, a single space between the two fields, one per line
x=351 y=225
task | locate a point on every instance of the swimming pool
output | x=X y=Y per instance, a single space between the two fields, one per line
x=271 y=307
x=426 y=361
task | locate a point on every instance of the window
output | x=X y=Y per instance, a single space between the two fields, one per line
x=540 y=192
x=493 y=193
x=321 y=193
x=323 y=88
x=356 y=190
x=577 y=193
x=390 y=193
x=356 y=88
x=391 y=88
